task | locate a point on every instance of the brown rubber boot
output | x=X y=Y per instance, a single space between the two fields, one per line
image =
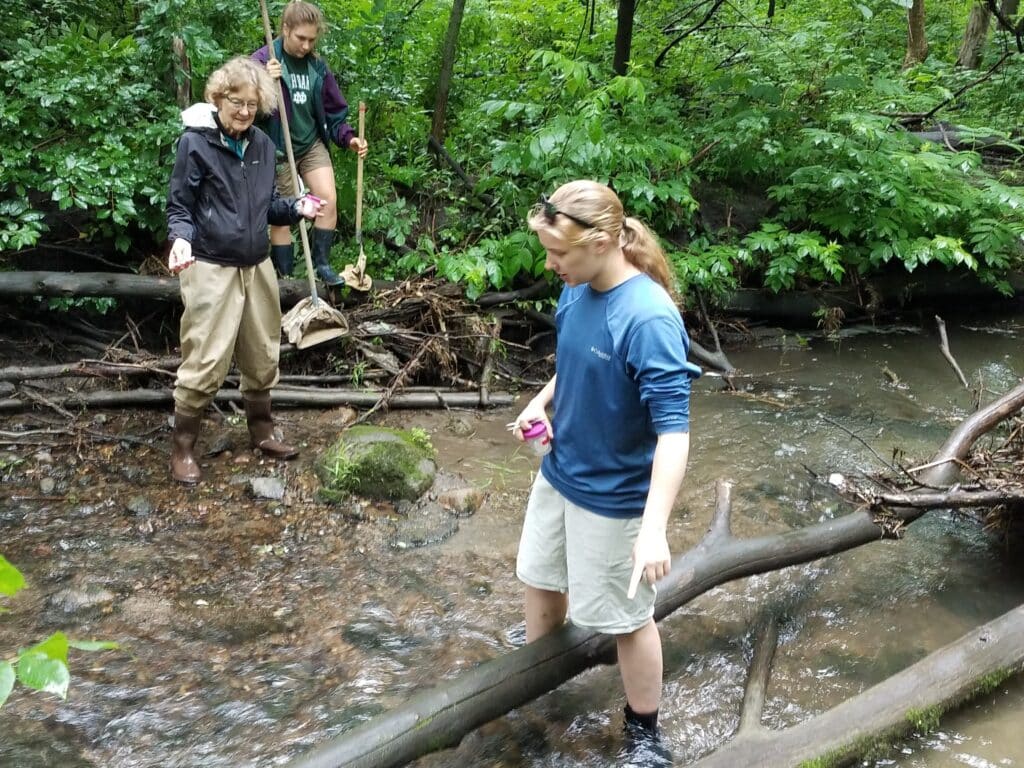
x=184 y=467
x=261 y=429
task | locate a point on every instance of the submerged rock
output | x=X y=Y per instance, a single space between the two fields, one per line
x=139 y=506
x=80 y=597
x=148 y=611
x=221 y=443
x=461 y=502
x=134 y=473
x=456 y=495
x=429 y=524
x=267 y=488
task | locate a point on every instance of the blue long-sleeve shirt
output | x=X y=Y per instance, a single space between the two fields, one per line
x=622 y=379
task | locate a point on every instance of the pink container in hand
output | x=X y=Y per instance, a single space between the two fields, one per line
x=536 y=436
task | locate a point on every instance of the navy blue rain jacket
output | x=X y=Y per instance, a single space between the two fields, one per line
x=222 y=204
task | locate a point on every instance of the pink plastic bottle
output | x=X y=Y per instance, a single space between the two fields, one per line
x=536 y=436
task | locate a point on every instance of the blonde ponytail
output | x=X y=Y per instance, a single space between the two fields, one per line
x=643 y=251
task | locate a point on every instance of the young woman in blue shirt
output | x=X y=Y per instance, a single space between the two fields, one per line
x=594 y=538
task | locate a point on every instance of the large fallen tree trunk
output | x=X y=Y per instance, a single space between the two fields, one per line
x=889 y=293
x=115 y=285
x=140 y=365
x=127 y=286
x=909 y=700
x=892 y=291
x=957 y=139
x=439 y=718
x=359 y=398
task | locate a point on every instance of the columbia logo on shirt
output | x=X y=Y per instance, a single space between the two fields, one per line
x=599 y=353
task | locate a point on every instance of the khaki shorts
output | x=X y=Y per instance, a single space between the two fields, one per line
x=315 y=157
x=565 y=548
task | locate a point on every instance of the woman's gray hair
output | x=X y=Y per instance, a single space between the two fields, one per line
x=237 y=74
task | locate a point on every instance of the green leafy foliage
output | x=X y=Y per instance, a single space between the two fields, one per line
x=7 y=678
x=85 y=131
x=860 y=195
x=803 y=107
x=854 y=192
x=97 y=305
x=11 y=580
x=44 y=666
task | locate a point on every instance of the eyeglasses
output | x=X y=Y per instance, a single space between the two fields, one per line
x=550 y=211
x=252 y=106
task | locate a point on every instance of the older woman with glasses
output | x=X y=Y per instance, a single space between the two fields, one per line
x=221 y=199
x=594 y=538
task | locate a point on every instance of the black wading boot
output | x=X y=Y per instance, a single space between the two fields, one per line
x=283 y=257
x=323 y=239
x=644 y=747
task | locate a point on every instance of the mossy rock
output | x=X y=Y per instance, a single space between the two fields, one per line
x=378 y=463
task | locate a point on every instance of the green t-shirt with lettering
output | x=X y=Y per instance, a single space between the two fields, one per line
x=296 y=73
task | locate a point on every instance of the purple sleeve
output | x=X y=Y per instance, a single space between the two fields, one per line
x=336 y=111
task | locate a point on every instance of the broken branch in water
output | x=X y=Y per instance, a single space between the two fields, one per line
x=944 y=347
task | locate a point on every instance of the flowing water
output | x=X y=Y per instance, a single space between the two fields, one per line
x=252 y=630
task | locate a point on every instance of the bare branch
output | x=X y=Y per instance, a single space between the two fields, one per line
x=944 y=346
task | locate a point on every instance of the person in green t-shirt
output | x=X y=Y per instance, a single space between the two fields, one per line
x=317 y=113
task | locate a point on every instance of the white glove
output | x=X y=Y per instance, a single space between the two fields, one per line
x=308 y=206
x=180 y=256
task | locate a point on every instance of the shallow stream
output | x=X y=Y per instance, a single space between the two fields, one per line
x=252 y=630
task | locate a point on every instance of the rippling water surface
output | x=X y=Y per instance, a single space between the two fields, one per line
x=252 y=630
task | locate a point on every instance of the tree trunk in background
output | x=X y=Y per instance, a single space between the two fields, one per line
x=917 y=41
x=444 y=77
x=1008 y=9
x=623 y=36
x=182 y=82
x=975 y=37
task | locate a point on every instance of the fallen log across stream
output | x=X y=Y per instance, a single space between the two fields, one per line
x=439 y=718
x=115 y=285
x=936 y=285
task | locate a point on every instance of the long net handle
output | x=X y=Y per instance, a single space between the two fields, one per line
x=359 y=175
x=283 y=112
